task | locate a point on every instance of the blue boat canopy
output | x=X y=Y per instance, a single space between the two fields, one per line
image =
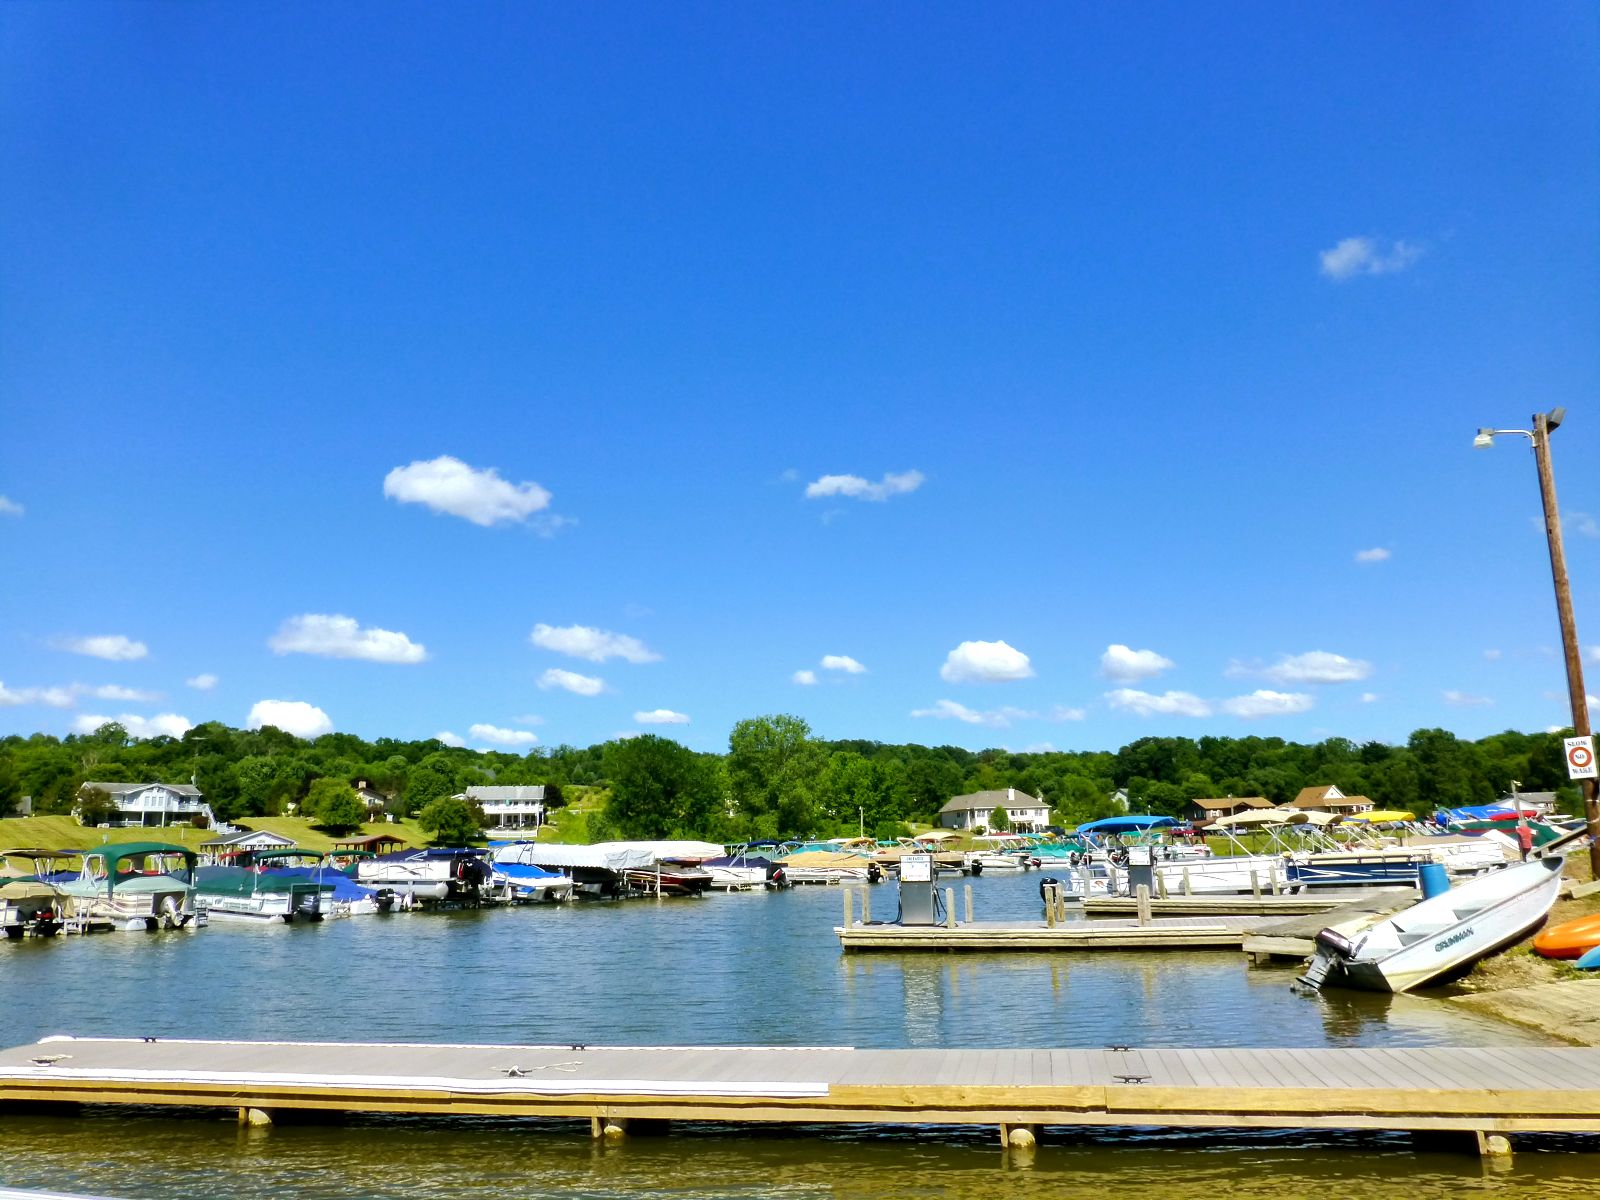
x=1132 y=823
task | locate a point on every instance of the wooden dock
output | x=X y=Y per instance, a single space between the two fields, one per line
x=1294 y=939
x=1166 y=933
x=1479 y=1090
x=1246 y=905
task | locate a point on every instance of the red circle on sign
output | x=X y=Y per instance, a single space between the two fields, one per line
x=1579 y=756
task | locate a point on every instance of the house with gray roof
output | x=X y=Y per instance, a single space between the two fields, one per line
x=1027 y=814
x=509 y=807
x=152 y=804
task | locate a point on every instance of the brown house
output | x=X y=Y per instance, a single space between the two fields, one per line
x=1330 y=799
x=1210 y=810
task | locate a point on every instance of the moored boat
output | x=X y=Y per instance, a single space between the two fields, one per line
x=136 y=886
x=1438 y=939
x=30 y=904
x=428 y=876
x=524 y=883
x=247 y=894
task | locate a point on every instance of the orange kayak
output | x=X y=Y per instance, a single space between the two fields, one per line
x=1570 y=939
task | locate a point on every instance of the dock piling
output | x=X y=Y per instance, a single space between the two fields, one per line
x=1255 y=884
x=849 y=906
x=950 y=908
x=1188 y=884
x=866 y=906
x=966 y=891
x=1142 y=894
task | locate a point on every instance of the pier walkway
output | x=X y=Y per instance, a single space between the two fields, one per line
x=1478 y=1090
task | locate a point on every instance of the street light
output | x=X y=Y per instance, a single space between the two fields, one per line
x=1539 y=436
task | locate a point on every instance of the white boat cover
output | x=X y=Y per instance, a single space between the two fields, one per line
x=604 y=856
x=672 y=850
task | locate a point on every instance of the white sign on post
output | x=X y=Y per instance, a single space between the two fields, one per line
x=1580 y=758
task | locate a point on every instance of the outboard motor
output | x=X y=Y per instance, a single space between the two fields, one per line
x=1045 y=884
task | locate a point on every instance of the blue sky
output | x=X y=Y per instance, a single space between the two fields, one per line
x=1113 y=326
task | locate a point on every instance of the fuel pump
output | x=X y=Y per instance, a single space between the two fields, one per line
x=919 y=903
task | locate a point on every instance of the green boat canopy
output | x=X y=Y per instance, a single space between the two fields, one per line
x=115 y=852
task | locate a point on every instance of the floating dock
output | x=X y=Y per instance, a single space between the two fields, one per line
x=1166 y=933
x=1248 y=905
x=1478 y=1090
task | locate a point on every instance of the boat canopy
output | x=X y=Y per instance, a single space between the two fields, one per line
x=115 y=852
x=937 y=835
x=1251 y=817
x=604 y=856
x=1315 y=816
x=672 y=850
x=1482 y=812
x=1133 y=823
x=1380 y=816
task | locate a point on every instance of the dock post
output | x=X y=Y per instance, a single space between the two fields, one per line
x=1161 y=885
x=1061 y=905
x=866 y=906
x=949 y=908
x=1142 y=898
x=1255 y=884
x=1274 y=880
x=1085 y=876
x=1050 y=906
x=1188 y=884
x=966 y=896
x=849 y=906
x=254 y=1116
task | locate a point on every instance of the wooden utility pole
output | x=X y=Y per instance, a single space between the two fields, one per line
x=1542 y=425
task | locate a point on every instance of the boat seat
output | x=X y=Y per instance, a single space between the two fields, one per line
x=1418 y=933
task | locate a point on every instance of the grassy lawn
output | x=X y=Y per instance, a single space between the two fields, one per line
x=64 y=833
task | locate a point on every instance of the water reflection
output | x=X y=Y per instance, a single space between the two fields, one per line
x=154 y=1156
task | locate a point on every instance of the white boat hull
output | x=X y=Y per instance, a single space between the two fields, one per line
x=1440 y=939
x=737 y=878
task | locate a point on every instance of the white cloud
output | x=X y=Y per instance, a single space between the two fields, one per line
x=571 y=681
x=292 y=716
x=804 y=678
x=842 y=662
x=1315 y=666
x=1375 y=555
x=1494 y=655
x=1265 y=703
x=448 y=485
x=949 y=710
x=450 y=739
x=202 y=683
x=596 y=645
x=161 y=725
x=1125 y=664
x=50 y=697
x=1580 y=523
x=1171 y=704
x=1367 y=256
x=9 y=507
x=661 y=716
x=113 y=647
x=113 y=691
x=1465 y=700
x=334 y=636
x=502 y=737
x=985 y=662
x=1062 y=713
x=858 y=488
x=1369 y=697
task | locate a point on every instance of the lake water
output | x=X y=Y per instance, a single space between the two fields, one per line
x=750 y=968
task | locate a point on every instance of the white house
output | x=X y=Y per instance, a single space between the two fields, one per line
x=1027 y=814
x=506 y=807
x=154 y=803
x=224 y=850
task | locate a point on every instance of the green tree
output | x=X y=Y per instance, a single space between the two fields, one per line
x=773 y=764
x=335 y=805
x=999 y=819
x=452 y=822
x=95 y=807
x=659 y=788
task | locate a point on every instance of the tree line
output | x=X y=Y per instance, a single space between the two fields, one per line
x=776 y=779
